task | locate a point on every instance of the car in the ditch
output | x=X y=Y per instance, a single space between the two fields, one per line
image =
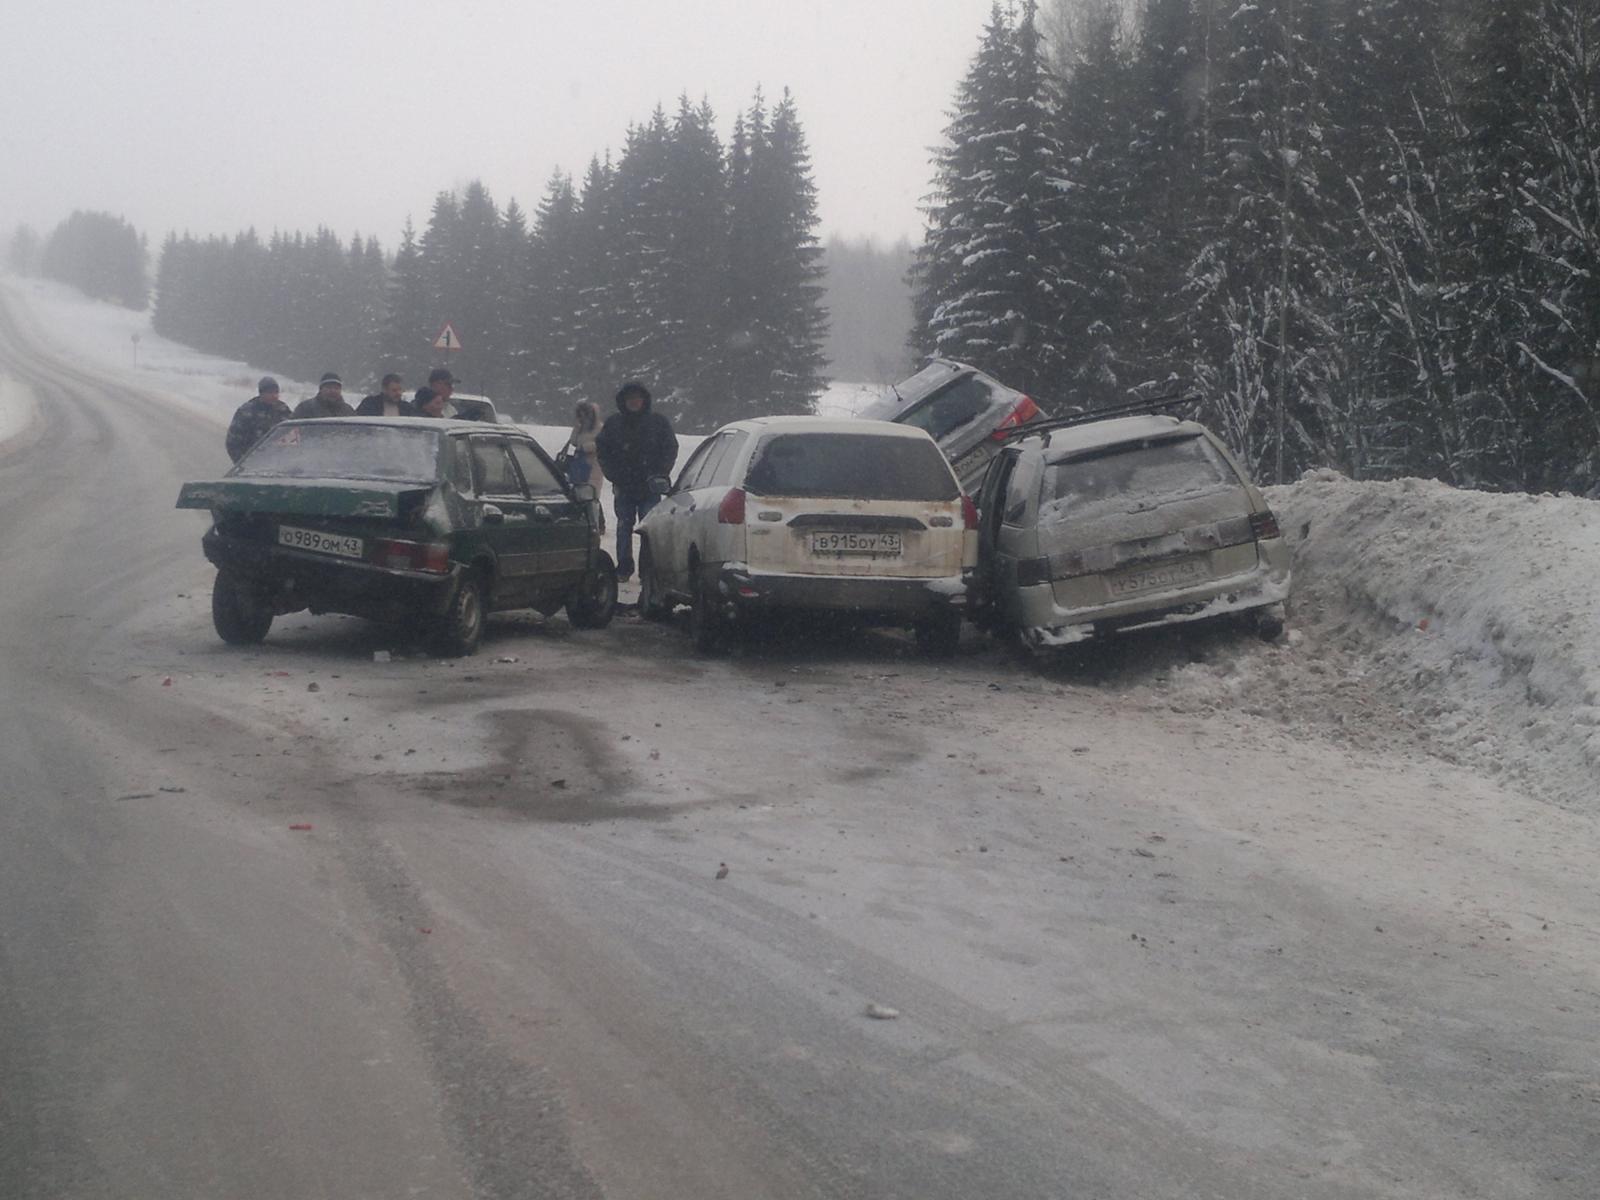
x=427 y=523
x=967 y=412
x=862 y=520
x=1089 y=525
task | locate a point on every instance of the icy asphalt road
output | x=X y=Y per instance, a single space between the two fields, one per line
x=1137 y=950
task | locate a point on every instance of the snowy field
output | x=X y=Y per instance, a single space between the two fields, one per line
x=1471 y=614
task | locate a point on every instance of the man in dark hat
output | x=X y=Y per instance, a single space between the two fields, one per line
x=428 y=403
x=442 y=382
x=254 y=417
x=635 y=445
x=389 y=401
x=329 y=400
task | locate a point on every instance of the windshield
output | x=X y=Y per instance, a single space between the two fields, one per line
x=325 y=450
x=850 y=465
x=1134 y=476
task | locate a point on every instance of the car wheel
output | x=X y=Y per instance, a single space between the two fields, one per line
x=1268 y=622
x=595 y=602
x=938 y=635
x=240 y=615
x=652 y=604
x=707 y=626
x=459 y=631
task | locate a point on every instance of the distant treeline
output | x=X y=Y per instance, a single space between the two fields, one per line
x=101 y=255
x=686 y=263
x=1366 y=231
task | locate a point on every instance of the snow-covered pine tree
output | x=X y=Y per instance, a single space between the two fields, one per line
x=642 y=229
x=403 y=345
x=550 y=302
x=600 y=323
x=985 y=293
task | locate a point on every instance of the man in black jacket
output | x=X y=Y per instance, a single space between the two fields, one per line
x=390 y=400
x=634 y=446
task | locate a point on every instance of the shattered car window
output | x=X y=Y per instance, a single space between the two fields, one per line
x=850 y=465
x=322 y=450
x=1134 y=476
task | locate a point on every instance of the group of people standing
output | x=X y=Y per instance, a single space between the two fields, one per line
x=266 y=408
x=631 y=447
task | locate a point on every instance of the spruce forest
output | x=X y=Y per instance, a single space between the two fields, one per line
x=1365 y=232
x=686 y=263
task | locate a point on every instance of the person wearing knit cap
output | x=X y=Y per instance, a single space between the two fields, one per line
x=254 y=417
x=329 y=400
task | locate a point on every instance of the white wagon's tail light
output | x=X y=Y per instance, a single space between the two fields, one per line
x=731 y=510
x=412 y=556
x=1264 y=524
x=1025 y=411
x=969 y=512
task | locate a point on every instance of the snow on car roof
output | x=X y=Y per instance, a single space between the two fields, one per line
x=828 y=425
x=1097 y=434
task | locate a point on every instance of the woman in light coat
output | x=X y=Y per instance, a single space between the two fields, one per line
x=583 y=463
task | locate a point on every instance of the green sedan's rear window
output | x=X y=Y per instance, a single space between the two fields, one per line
x=324 y=450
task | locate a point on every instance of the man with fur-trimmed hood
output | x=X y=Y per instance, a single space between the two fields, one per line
x=634 y=446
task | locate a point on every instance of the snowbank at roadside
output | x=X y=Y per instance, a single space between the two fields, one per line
x=18 y=408
x=1477 y=611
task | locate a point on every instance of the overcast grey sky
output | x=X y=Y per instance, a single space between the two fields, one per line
x=214 y=116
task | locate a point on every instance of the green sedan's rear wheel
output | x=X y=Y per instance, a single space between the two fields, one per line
x=241 y=616
x=595 y=602
x=460 y=629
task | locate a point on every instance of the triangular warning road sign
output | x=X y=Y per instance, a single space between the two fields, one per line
x=448 y=339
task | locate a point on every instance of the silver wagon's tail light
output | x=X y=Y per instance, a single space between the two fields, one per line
x=1264 y=525
x=731 y=510
x=412 y=556
x=1025 y=411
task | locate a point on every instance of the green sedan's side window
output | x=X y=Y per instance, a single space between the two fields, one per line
x=460 y=466
x=491 y=467
x=539 y=478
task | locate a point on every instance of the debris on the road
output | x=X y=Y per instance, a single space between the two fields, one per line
x=1143 y=853
x=278 y=674
x=313 y=687
x=507 y=658
x=167 y=682
x=722 y=870
x=137 y=796
x=558 y=783
x=380 y=656
x=882 y=1012
x=423 y=929
x=300 y=828
x=174 y=790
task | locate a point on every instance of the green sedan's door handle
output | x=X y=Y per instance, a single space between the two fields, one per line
x=542 y=514
x=492 y=515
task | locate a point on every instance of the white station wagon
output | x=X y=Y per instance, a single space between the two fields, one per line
x=860 y=518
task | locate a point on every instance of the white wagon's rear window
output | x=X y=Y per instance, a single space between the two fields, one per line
x=850 y=466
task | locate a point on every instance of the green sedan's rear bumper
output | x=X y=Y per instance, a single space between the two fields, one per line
x=291 y=580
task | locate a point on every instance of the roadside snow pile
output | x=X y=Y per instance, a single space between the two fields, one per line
x=1477 y=612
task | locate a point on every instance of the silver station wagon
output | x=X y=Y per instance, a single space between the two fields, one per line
x=1092 y=525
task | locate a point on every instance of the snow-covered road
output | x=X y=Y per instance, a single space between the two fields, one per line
x=1185 y=915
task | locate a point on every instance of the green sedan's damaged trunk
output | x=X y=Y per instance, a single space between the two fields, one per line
x=379 y=500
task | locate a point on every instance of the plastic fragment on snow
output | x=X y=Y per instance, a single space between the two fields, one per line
x=167 y=682
x=882 y=1012
x=301 y=828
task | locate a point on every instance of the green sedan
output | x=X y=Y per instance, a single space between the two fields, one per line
x=405 y=520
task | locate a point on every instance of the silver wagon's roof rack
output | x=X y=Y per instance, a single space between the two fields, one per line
x=1134 y=408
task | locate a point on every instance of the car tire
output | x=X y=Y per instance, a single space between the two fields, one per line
x=1268 y=622
x=652 y=603
x=707 y=626
x=939 y=635
x=595 y=602
x=241 y=618
x=457 y=633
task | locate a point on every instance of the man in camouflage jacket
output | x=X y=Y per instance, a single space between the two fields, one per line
x=254 y=417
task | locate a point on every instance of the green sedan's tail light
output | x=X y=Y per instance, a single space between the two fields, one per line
x=1031 y=572
x=412 y=556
